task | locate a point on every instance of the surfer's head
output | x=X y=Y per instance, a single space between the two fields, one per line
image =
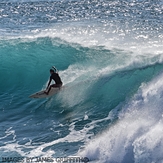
x=51 y=71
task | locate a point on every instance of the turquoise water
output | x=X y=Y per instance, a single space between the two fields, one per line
x=109 y=55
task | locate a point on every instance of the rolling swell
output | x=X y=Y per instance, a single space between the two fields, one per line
x=30 y=60
x=97 y=81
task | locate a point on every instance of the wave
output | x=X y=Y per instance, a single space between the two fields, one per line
x=109 y=76
x=132 y=138
x=31 y=59
x=103 y=89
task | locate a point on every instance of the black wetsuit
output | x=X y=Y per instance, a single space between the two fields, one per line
x=56 y=78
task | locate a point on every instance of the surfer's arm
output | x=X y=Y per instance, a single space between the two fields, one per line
x=49 y=83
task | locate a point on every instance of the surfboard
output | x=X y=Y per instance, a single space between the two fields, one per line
x=41 y=94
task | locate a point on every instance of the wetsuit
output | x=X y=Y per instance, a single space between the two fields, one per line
x=56 y=78
x=58 y=83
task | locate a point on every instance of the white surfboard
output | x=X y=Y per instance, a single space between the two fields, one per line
x=41 y=94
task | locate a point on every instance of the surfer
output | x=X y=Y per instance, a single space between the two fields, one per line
x=54 y=76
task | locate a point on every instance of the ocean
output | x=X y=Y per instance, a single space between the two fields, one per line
x=109 y=55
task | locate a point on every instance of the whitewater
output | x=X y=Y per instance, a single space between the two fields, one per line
x=110 y=58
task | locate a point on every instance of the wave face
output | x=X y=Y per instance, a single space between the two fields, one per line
x=109 y=55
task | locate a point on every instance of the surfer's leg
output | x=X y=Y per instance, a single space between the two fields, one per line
x=53 y=85
x=57 y=85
